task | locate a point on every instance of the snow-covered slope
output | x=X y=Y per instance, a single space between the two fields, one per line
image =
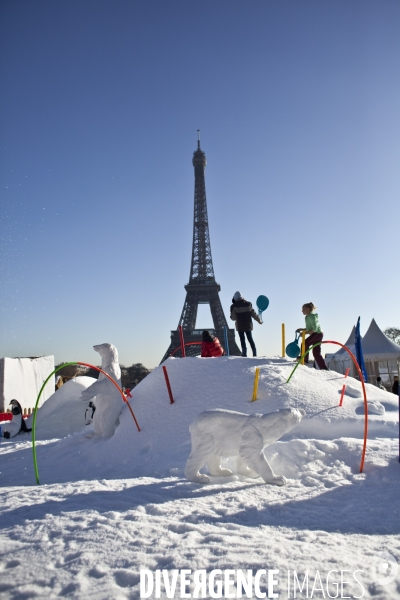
x=163 y=444
x=89 y=535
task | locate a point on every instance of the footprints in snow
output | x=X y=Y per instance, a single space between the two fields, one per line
x=374 y=406
x=97 y=572
x=352 y=392
x=126 y=578
x=11 y=564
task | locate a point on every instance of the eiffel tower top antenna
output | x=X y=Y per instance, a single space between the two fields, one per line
x=201 y=269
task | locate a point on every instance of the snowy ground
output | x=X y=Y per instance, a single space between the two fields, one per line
x=108 y=508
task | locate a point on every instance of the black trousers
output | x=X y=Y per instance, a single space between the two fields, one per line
x=312 y=339
x=243 y=342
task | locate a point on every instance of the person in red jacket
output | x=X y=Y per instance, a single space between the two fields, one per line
x=211 y=346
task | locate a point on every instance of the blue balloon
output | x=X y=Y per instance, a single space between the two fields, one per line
x=262 y=303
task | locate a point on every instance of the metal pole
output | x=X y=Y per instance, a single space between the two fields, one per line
x=255 y=386
x=182 y=341
x=343 y=388
x=171 y=398
x=303 y=345
x=283 y=341
x=226 y=342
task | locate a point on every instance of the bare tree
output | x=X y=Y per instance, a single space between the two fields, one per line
x=130 y=376
x=393 y=333
x=71 y=371
x=133 y=375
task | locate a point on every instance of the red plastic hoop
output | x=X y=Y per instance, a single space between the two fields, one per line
x=363 y=387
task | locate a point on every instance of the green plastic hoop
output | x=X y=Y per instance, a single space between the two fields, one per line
x=40 y=393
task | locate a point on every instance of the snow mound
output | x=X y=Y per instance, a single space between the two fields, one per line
x=375 y=408
x=64 y=412
x=352 y=392
x=163 y=445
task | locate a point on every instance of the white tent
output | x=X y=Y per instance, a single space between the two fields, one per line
x=350 y=344
x=377 y=346
x=381 y=356
x=22 y=378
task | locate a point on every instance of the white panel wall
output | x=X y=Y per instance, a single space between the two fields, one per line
x=22 y=378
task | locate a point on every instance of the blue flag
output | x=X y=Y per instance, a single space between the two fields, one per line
x=359 y=352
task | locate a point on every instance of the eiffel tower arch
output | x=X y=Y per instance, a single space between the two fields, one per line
x=202 y=287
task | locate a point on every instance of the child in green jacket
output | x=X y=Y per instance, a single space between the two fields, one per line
x=315 y=335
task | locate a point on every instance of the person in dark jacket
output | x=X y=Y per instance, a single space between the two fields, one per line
x=211 y=346
x=395 y=386
x=243 y=313
x=380 y=384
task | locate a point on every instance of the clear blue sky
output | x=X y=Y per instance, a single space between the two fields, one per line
x=298 y=106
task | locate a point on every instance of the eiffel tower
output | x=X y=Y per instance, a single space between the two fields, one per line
x=202 y=287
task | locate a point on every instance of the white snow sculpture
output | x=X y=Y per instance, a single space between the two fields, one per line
x=108 y=400
x=225 y=433
x=10 y=430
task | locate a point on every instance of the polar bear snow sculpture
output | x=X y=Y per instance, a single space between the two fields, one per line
x=108 y=400
x=218 y=433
